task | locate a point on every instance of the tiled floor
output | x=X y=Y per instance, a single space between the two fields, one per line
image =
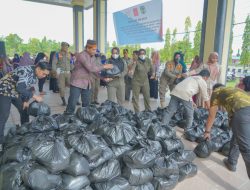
x=212 y=175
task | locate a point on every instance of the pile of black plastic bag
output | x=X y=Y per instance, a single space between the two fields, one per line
x=99 y=148
x=221 y=134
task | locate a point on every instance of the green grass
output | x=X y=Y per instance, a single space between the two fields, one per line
x=232 y=83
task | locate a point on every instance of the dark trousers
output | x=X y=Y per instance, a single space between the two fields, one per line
x=240 y=142
x=153 y=84
x=53 y=85
x=172 y=108
x=74 y=94
x=5 y=105
x=41 y=83
x=128 y=89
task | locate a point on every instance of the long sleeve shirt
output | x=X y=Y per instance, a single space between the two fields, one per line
x=85 y=67
x=18 y=82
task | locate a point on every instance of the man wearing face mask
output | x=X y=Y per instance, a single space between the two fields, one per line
x=115 y=83
x=169 y=77
x=140 y=69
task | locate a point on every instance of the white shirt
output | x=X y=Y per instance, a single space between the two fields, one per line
x=189 y=87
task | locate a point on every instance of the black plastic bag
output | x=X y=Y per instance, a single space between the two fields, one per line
x=219 y=119
x=172 y=145
x=165 y=183
x=64 y=120
x=87 y=188
x=107 y=171
x=120 y=150
x=106 y=155
x=203 y=149
x=147 y=186
x=200 y=113
x=165 y=167
x=140 y=158
x=144 y=120
x=219 y=141
x=183 y=158
x=87 y=144
x=194 y=133
x=106 y=107
x=37 y=177
x=87 y=114
x=10 y=176
x=74 y=183
x=157 y=133
x=118 y=183
x=137 y=176
x=189 y=170
x=78 y=165
x=99 y=126
x=43 y=123
x=111 y=72
x=120 y=110
x=225 y=149
x=16 y=154
x=154 y=146
x=51 y=153
x=119 y=134
x=38 y=108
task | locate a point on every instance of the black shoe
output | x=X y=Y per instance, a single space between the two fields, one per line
x=78 y=103
x=229 y=166
x=64 y=102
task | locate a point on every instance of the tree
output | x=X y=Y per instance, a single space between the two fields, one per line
x=245 y=49
x=173 y=44
x=186 y=45
x=197 y=38
x=114 y=44
x=12 y=43
x=34 y=46
x=166 y=52
x=188 y=25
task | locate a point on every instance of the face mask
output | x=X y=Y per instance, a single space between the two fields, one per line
x=177 y=60
x=142 y=57
x=115 y=56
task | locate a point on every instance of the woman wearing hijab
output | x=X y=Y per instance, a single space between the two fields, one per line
x=41 y=56
x=14 y=89
x=26 y=60
x=214 y=69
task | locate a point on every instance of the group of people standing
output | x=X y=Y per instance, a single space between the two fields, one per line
x=196 y=87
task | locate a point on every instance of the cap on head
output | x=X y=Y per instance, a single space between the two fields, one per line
x=91 y=44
